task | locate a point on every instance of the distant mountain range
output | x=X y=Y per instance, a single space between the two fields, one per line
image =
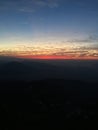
x=24 y=70
x=36 y=70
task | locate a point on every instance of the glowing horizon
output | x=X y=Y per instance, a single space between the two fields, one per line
x=53 y=51
x=57 y=58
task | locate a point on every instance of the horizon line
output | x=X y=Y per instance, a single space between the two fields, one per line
x=50 y=57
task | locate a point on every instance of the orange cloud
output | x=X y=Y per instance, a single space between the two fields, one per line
x=51 y=52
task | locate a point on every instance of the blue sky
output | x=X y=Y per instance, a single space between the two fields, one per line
x=69 y=24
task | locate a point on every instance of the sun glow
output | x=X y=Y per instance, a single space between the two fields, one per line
x=49 y=51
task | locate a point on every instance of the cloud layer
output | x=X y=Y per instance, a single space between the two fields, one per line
x=66 y=50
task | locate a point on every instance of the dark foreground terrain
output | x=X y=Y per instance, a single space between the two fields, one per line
x=26 y=104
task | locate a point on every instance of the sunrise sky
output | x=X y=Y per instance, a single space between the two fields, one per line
x=49 y=29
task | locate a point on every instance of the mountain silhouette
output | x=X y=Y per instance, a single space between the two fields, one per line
x=13 y=67
x=23 y=70
x=13 y=70
x=36 y=70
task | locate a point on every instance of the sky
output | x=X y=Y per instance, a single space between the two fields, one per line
x=49 y=29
